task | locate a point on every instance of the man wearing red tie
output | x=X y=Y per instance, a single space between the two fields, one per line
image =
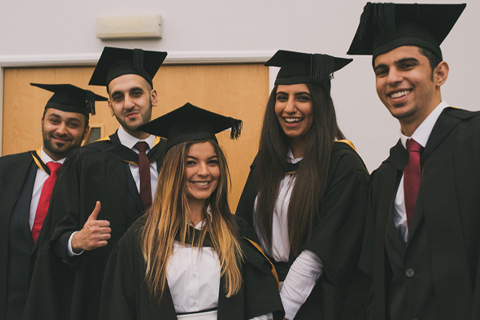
x=26 y=184
x=422 y=243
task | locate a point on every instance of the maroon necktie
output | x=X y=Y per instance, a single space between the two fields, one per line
x=45 y=197
x=144 y=167
x=412 y=177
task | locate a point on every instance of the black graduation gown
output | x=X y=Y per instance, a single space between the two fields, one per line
x=442 y=251
x=337 y=236
x=17 y=179
x=125 y=295
x=69 y=288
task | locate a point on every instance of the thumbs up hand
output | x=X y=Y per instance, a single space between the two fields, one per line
x=94 y=234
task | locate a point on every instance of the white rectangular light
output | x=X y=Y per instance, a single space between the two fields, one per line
x=129 y=27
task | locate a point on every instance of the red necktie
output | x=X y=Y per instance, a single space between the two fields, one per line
x=144 y=167
x=45 y=197
x=412 y=177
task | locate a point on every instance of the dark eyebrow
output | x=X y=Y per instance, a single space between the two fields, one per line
x=73 y=119
x=380 y=66
x=54 y=115
x=129 y=90
x=297 y=93
x=398 y=62
x=302 y=93
x=67 y=119
x=195 y=158
x=116 y=93
x=406 y=60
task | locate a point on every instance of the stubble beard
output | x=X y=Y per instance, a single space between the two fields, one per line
x=55 y=149
x=145 y=118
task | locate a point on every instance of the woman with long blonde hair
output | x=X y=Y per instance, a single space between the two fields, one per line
x=186 y=258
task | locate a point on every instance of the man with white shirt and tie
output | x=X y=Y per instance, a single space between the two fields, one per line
x=26 y=183
x=422 y=244
x=104 y=188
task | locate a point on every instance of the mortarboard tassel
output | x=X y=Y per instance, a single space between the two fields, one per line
x=364 y=21
x=138 y=60
x=321 y=66
x=380 y=14
x=417 y=11
x=90 y=101
x=236 y=126
x=384 y=17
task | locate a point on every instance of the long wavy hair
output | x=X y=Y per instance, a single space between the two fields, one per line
x=311 y=177
x=168 y=219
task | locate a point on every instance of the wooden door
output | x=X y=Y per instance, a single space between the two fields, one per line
x=239 y=91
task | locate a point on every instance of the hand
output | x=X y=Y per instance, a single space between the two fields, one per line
x=94 y=233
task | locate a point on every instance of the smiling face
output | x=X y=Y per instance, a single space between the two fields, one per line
x=62 y=132
x=293 y=108
x=131 y=101
x=407 y=86
x=202 y=171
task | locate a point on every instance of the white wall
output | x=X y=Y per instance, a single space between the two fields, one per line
x=52 y=32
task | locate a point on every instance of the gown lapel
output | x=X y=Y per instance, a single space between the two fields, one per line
x=399 y=160
x=440 y=131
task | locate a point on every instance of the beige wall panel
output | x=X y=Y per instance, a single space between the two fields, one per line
x=240 y=91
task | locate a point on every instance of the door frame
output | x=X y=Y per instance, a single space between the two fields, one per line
x=80 y=60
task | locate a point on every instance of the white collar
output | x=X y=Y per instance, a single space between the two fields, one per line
x=291 y=158
x=129 y=141
x=422 y=133
x=199 y=225
x=46 y=158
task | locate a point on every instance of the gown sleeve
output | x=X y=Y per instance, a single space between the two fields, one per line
x=247 y=200
x=261 y=295
x=300 y=281
x=118 y=300
x=337 y=238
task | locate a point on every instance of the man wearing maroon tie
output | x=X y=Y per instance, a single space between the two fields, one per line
x=422 y=244
x=104 y=187
x=26 y=184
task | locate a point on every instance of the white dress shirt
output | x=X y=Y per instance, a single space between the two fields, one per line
x=40 y=178
x=307 y=267
x=193 y=277
x=421 y=135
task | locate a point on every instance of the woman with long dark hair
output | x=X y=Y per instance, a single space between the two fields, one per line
x=306 y=191
x=186 y=258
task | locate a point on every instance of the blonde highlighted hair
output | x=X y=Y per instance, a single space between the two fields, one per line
x=168 y=219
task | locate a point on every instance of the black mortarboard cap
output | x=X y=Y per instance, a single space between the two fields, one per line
x=69 y=98
x=191 y=123
x=115 y=62
x=386 y=26
x=299 y=67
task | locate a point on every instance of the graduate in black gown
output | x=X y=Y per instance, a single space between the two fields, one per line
x=186 y=257
x=422 y=240
x=306 y=191
x=23 y=200
x=99 y=193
